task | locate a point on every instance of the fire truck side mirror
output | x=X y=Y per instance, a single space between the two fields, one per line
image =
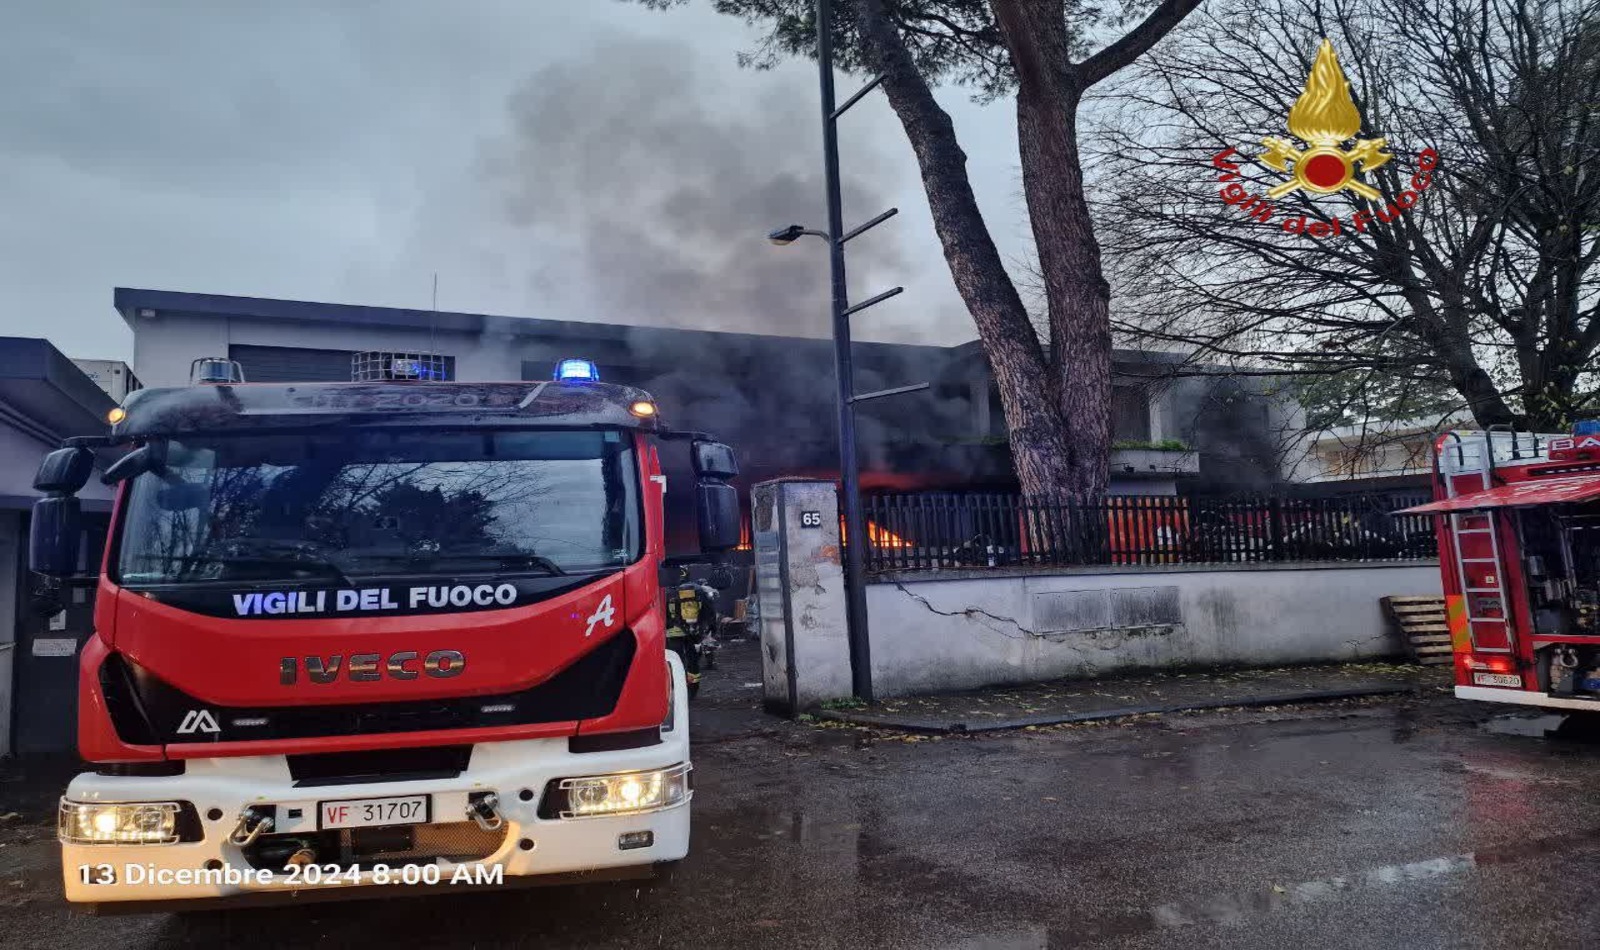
x=717 y=507
x=150 y=457
x=65 y=471
x=53 y=538
x=46 y=596
x=714 y=460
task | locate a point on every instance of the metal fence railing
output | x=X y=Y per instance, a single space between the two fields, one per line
x=938 y=531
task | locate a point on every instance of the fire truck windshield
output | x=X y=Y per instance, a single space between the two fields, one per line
x=338 y=505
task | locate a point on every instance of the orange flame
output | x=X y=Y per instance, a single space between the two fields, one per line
x=1325 y=114
x=884 y=538
x=880 y=537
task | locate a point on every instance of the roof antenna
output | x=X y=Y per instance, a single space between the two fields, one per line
x=433 y=343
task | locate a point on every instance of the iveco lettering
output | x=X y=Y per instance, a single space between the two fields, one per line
x=391 y=623
x=369 y=667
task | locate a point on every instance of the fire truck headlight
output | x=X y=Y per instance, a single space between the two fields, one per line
x=118 y=823
x=627 y=793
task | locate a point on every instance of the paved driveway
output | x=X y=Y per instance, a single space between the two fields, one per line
x=1392 y=823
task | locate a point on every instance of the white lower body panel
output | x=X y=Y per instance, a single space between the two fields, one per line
x=1522 y=697
x=170 y=872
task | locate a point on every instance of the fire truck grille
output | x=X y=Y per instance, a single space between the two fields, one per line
x=143 y=707
x=453 y=841
x=394 y=846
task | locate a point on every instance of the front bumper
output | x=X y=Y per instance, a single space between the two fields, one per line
x=1523 y=697
x=215 y=869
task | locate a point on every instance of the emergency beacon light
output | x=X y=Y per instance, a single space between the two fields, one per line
x=577 y=371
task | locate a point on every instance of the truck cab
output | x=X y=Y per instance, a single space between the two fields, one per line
x=375 y=633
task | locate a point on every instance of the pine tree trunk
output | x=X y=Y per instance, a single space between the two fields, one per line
x=1076 y=291
x=1041 y=447
x=1058 y=408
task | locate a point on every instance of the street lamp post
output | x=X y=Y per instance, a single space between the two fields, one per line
x=855 y=527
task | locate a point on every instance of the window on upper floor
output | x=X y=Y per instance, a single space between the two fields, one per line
x=291 y=364
x=1130 y=414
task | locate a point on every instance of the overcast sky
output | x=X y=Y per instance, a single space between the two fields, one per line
x=575 y=159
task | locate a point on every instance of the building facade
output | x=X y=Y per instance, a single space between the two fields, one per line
x=1377 y=455
x=1178 y=427
x=44 y=398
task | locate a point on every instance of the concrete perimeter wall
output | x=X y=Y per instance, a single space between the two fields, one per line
x=964 y=629
x=959 y=632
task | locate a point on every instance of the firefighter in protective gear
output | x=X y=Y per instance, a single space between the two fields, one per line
x=691 y=624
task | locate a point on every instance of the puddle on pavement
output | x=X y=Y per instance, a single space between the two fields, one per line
x=1238 y=908
x=1573 y=727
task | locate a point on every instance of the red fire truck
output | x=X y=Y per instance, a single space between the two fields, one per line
x=1519 y=546
x=390 y=632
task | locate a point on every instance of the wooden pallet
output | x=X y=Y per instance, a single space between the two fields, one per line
x=1421 y=622
x=739 y=618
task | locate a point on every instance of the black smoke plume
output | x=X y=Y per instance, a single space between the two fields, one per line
x=662 y=189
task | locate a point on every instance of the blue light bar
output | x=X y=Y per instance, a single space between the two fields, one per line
x=408 y=368
x=1586 y=427
x=568 y=370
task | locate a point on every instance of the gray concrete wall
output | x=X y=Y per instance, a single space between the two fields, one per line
x=953 y=630
x=960 y=633
x=20 y=454
x=11 y=558
x=163 y=346
x=771 y=597
x=805 y=654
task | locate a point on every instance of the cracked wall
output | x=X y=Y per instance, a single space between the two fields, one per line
x=935 y=635
x=948 y=634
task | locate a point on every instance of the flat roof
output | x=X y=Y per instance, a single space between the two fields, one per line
x=129 y=301
x=47 y=398
x=49 y=389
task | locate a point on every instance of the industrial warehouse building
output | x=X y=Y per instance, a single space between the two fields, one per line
x=772 y=397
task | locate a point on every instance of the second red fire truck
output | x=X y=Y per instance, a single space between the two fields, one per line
x=1519 y=546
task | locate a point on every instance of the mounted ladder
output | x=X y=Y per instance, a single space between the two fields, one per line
x=1486 y=604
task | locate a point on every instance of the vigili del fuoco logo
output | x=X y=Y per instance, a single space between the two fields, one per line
x=1325 y=118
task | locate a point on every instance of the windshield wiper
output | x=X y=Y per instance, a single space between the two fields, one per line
x=277 y=554
x=323 y=568
x=504 y=560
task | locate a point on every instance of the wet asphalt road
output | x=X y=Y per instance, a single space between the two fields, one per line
x=1386 y=824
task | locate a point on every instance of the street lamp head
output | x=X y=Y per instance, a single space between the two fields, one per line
x=788 y=235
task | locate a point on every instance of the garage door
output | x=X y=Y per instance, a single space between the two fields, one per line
x=291 y=364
